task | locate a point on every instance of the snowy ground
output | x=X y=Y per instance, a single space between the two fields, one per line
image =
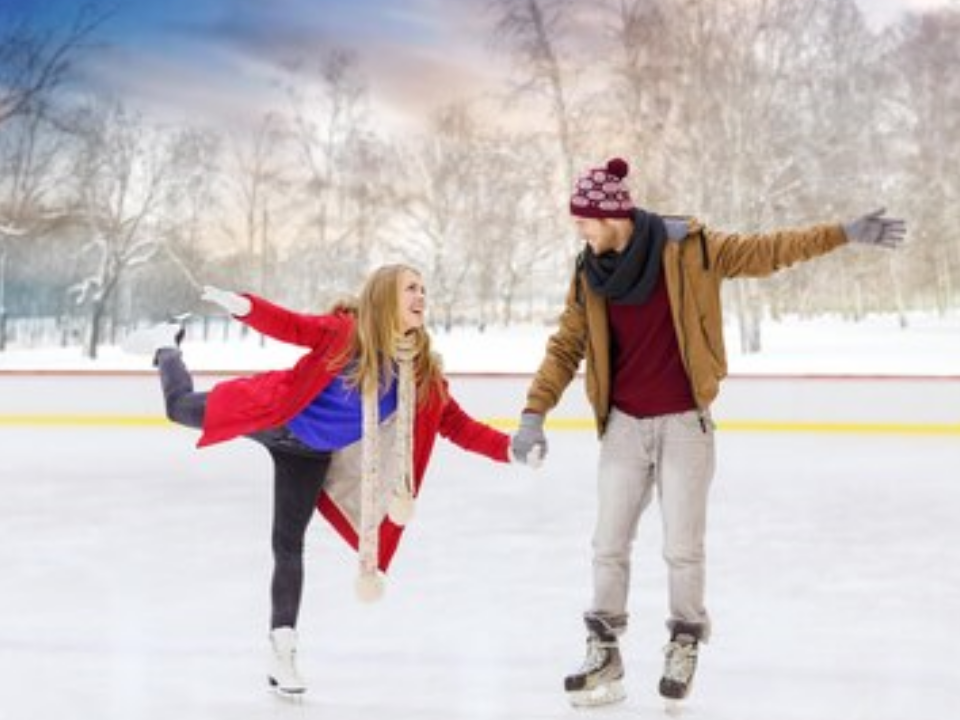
x=877 y=345
x=135 y=571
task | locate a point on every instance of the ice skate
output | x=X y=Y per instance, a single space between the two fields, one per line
x=680 y=662
x=599 y=681
x=283 y=675
x=147 y=341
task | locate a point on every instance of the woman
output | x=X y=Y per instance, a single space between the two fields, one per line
x=350 y=428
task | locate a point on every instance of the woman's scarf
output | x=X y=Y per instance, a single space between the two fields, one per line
x=369 y=582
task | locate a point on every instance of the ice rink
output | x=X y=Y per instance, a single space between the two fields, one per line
x=135 y=569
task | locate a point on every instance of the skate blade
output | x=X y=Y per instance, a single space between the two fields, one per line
x=673 y=707
x=605 y=694
x=291 y=695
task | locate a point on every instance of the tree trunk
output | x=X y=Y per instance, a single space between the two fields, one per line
x=93 y=329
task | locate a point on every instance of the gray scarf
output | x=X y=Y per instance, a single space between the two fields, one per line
x=629 y=277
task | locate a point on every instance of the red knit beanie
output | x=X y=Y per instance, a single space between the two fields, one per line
x=600 y=192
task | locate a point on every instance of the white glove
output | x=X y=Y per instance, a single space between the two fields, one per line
x=236 y=305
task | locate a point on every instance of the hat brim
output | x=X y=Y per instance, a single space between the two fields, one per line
x=596 y=213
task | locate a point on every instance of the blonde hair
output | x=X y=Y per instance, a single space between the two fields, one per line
x=372 y=349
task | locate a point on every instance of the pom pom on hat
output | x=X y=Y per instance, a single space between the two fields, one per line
x=618 y=167
x=600 y=192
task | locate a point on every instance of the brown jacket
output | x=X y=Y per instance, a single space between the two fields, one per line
x=694 y=265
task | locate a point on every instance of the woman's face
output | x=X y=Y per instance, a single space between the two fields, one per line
x=411 y=301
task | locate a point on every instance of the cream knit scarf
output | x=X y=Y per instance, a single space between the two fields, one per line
x=373 y=488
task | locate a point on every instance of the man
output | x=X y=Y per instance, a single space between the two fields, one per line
x=644 y=309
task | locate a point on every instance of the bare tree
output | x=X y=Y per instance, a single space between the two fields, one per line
x=256 y=177
x=928 y=92
x=531 y=30
x=120 y=173
x=35 y=61
x=436 y=203
x=30 y=197
x=191 y=199
x=6 y=232
x=649 y=78
x=334 y=147
x=740 y=107
x=523 y=238
x=367 y=206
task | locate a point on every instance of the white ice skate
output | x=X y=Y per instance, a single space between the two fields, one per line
x=147 y=341
x=283 y=675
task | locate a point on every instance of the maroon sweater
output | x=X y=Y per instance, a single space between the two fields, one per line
x=648 y=375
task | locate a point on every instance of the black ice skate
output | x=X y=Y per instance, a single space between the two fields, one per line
x=599 y=679
x=680 y=661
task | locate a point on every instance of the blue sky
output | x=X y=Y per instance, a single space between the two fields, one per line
x=216 y=58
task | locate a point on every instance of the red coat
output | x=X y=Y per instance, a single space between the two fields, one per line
x=270 y=399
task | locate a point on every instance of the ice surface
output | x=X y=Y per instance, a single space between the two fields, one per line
x=135 y=573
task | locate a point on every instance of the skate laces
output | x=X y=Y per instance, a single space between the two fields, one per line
x=681 y=661
x=598 y=652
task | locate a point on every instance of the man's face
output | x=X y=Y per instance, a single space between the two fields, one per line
x=601 y=235
x=412 y=300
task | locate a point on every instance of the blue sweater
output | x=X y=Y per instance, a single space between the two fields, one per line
x=334 y=419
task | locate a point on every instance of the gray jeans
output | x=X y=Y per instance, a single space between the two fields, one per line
x=675 y=455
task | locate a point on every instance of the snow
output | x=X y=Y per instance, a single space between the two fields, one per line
x=929 y=345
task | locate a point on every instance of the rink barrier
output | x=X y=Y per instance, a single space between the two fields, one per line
x=552 y=424
x=84 y=420
x=771 y=426
x=919 y=405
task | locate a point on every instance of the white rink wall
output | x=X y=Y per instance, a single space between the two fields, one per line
x=827 y=403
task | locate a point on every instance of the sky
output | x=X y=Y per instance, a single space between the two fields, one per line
x=219 y=58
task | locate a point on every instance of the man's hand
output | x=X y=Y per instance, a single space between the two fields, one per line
x=875 y=229
x=529 y=445
x=233 y=303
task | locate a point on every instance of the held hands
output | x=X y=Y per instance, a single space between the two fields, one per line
x=233 y=303
x=875 y=229
x=528 y=445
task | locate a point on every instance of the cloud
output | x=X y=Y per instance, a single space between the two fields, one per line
x=223 y=58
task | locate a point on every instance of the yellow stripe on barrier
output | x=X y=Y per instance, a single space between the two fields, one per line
x=773 y=426
x=83 y=420
x=556 y=424
x=840 y=427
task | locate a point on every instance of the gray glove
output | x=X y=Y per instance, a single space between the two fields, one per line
x=875 y=229
x=529 y=445
x=235 y=304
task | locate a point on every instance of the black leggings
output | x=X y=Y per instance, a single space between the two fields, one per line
x=298 y=475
